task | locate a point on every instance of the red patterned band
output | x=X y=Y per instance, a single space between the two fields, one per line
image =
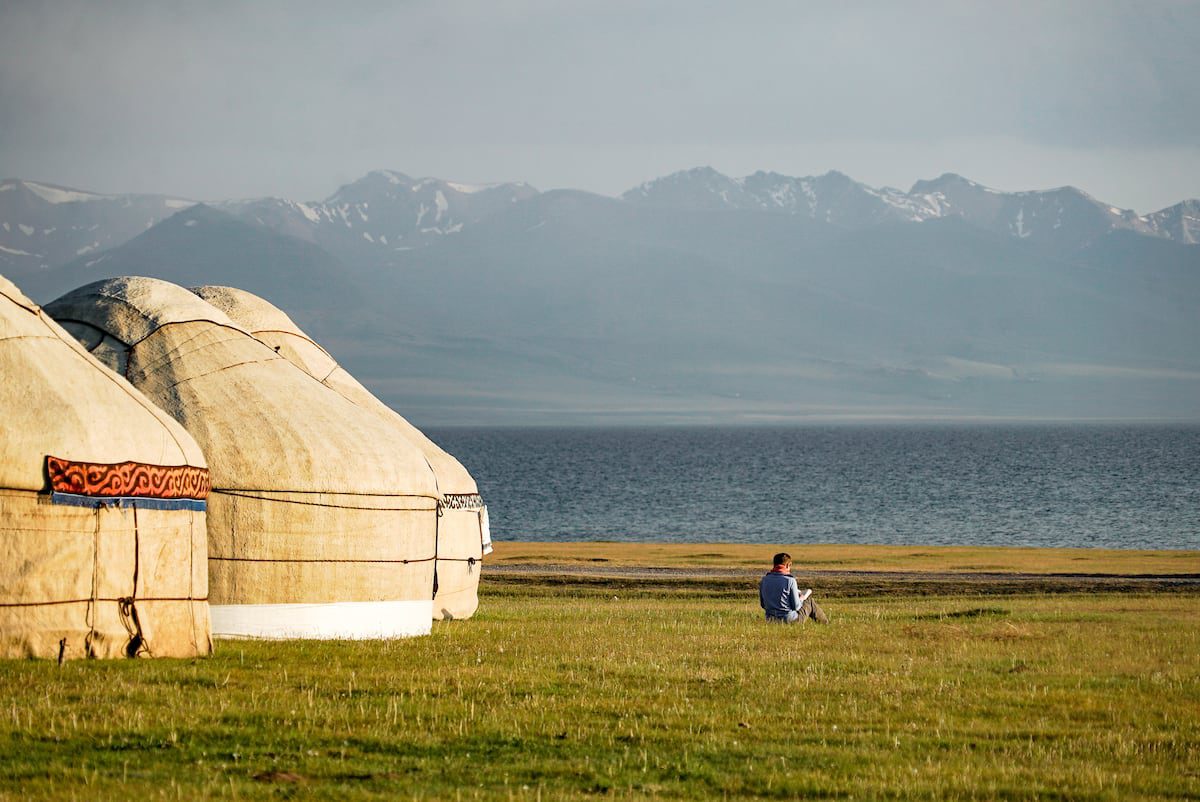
x=127 y=479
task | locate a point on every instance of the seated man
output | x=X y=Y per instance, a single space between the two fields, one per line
x=783 y=600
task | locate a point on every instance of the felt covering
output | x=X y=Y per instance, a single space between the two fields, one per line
x=92 y=579
x=459 y=536
x=314 y=500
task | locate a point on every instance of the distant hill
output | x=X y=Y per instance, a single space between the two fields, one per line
x=700 y=297
x=382 y=215
x=376 y=220
x=720 y=313
x=202 y=245
x=1064 y=217
x=43 y=226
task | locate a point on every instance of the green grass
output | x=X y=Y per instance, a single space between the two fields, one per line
x=545 y=694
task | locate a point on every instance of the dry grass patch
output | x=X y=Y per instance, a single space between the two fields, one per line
x=824 y=556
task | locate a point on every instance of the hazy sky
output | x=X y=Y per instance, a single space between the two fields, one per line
x=214 y=100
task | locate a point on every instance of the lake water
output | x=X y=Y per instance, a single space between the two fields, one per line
x=1006 y=485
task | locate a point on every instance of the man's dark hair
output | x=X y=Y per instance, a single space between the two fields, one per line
x=783 y=558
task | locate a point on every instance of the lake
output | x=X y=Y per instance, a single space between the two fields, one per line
x=1110 y=486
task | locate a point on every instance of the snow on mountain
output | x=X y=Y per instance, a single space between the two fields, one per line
x=370 y=221
x=833 y=197
x=43 y=225
x=1180 y=222
x=1065 y=216
x=383 y=213
x=698 y=188
x=55 y=195
x=787 y=293
x=379 y=219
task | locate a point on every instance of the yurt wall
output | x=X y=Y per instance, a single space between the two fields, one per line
x=102 y=495
x=463 y=537
x=322 y=521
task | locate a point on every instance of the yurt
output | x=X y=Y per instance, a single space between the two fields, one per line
x=102 y=497
x=463 y=537
x=322 y=521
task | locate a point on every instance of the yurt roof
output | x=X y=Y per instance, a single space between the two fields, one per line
x=271 y=324
x=264 y=423
x=130 y=308
x=260 y=317
x=56 y=399
x=250 y=311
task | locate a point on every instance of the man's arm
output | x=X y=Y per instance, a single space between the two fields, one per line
x=794 y=593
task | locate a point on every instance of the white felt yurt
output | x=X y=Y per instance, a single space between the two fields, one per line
x=322 y=521
x=463 y=538
x=102 y=495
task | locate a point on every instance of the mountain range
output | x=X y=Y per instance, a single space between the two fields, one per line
x=43 y=226
x=1065 y=216
x=693 y=297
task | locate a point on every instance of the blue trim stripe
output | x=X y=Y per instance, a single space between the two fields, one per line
x=75 y=500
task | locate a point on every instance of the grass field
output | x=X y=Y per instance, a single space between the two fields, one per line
x=550 y=694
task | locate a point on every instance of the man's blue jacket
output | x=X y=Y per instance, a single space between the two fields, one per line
x=779 y=595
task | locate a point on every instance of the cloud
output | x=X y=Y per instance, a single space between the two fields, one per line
x=142 y=89
x=1089 y=371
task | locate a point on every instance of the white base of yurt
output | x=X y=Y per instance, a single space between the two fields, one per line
x=332 y=621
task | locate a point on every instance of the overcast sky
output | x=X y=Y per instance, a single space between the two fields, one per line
x=215 y=100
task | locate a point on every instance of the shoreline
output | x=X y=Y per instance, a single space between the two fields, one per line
x=847 y=557
x=836 y=570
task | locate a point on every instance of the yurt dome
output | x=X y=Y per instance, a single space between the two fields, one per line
x=103 y=549
x=463 y=538
x=322 y=521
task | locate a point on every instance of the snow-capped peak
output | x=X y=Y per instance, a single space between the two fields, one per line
x=1063 y=216
x=56 y=194
x=392 y=177
x=469 y=189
